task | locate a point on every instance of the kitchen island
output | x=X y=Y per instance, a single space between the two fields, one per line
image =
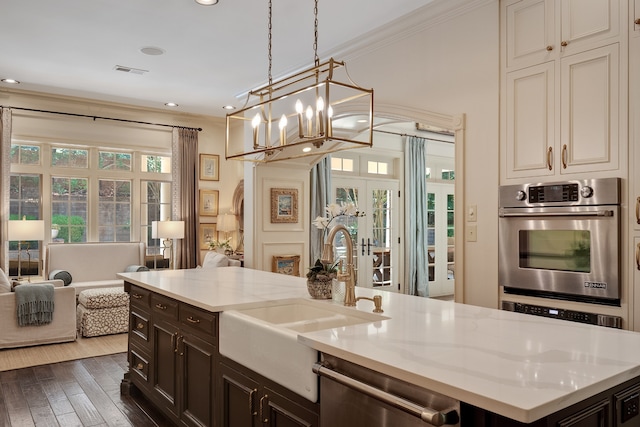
x=517 y=366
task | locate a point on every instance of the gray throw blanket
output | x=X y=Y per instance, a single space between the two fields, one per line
x=34 y=303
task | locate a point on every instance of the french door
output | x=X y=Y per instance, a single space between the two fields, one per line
x=440 y=238
x=375 y=235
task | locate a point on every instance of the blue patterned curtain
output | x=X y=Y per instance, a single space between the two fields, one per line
x=416 y=217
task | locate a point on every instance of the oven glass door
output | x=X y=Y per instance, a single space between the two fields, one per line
x=570 y=253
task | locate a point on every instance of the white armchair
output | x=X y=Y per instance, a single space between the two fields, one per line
x=214 y=259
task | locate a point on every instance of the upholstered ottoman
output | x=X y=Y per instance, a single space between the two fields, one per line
x=102 y=311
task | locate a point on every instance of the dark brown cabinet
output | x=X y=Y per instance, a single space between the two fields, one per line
x=249 y=400
x=172 y=356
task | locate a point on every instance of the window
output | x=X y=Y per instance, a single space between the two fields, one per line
x=70 y=158
x=156 y=164
x=25 y=154
x=341 y=164
x=114 y=211
x=379 y=168
x=448 y=175
x=114 y=161
x=69 y=207
x=155 y=201
x=24 y=201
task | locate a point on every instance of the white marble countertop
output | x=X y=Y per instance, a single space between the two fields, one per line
x=520 y=366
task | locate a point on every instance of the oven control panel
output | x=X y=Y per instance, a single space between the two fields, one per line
x=554 y=193
x=560 y=313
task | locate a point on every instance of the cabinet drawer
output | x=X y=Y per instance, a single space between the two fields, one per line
x=199 y=320
x=165 y=306
x=139 y=324
x=139 y=367
x=139 y=296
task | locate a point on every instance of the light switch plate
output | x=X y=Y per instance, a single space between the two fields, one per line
x=472 y=213
x=472 y=233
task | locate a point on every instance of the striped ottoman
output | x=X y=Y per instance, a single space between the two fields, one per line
x=102 y=311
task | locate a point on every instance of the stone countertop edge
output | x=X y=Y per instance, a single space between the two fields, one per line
x=520 y=366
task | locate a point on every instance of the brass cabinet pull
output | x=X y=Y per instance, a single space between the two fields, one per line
x=549 y=48
x=139 y=366
x=140 y=325
x=637 y=21
x=190 y=319
x=252 y=411
x=161 y=306
x=180 y=339
x=174 y=345
x=638 y=256
x=564 y=156
x=564 y=43
x=137 y=296
x=638 y=210
x=262 y=414
x=549 y=155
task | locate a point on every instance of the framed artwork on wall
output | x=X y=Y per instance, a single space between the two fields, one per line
x=209 y=167
x=207 y=233
x=208 y=203
x=284 y=205
x=286 y=264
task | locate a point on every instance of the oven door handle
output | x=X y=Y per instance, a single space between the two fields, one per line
x=605 y=212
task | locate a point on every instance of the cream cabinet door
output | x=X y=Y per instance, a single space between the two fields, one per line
x=586 y=24
x=590 y=104
x=530 y=30
x=530 y=122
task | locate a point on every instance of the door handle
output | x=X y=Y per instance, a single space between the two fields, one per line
x=362 y=245
x=368 y=246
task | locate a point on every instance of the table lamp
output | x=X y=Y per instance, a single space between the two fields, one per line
x=24 y=231
x=226 y=223
x=169 y=230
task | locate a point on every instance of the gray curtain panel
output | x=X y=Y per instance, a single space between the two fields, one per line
x=5 y=172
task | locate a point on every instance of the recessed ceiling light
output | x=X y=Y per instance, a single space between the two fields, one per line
x=306 y=149
x=170 y=104
x=10 y=81
x=151 y=50
x=229 y=107
x=207 y=2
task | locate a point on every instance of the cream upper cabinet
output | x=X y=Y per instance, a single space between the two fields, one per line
x=563 y=113
x=635 y=15
x=542 y=30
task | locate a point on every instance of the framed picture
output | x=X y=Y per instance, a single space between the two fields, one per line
x=207 y=233
x=208 y=203
x=284 y=205
x=209 y=167
x=286 y=264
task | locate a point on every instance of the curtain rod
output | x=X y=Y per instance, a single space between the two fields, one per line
x=405 y=134
x=99 y=117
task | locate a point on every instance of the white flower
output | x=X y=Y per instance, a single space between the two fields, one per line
x=335 y=210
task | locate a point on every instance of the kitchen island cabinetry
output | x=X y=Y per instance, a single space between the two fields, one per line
x=565 y=87
x=172 y=355
x=247 y=399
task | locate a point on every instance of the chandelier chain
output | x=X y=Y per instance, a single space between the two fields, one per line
x=269 y=47
x=316 y=58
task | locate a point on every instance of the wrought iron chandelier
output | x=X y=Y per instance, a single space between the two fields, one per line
x=294 y=117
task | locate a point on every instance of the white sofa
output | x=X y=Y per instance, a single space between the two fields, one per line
x=93 y=265
x=61 y=329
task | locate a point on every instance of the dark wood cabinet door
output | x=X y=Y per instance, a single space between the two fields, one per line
x=279 y=411
x=164 y=379
x=197 y=364
x=238 y=399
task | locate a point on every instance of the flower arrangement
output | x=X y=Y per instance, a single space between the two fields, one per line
x=334 y=211
x=224 y=244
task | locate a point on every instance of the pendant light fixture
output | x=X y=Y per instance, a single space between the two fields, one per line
x=293 y=117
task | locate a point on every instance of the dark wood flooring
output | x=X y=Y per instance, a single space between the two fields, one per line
x=82 y=392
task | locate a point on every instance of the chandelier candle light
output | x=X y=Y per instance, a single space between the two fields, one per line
x=295 y=98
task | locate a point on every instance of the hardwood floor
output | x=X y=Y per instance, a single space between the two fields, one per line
x=83 y=392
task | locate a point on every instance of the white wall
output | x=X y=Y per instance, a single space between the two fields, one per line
x=453 y=67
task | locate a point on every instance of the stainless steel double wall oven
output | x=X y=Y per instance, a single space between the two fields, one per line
x=561 y=240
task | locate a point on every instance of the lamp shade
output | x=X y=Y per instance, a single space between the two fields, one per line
x=25 y=230
x=170 y=229
x=226 y=223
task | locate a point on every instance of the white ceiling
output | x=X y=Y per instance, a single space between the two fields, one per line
x=212 y=54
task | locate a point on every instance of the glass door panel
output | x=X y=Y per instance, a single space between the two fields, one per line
x=440 y=239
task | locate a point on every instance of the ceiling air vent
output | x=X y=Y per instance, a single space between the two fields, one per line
x=130 y=70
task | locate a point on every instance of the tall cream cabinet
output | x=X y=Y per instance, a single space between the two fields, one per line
x=634 y=157
x=564 y=87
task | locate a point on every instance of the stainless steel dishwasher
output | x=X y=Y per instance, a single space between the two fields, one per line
x=353 y=396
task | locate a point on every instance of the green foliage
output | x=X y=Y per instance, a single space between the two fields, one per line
x=323 y=272
x=74 y=224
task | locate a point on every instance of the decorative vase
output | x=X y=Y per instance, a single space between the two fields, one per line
x=54 y=233
x=320 y=289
